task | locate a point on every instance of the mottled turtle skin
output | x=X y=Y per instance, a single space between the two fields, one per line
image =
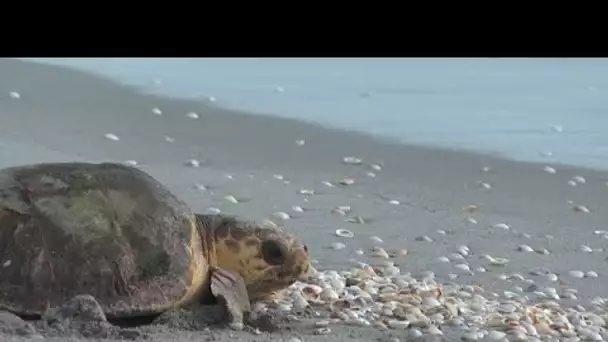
x=113 y=232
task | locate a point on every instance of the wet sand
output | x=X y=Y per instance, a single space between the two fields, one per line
x=63 y=115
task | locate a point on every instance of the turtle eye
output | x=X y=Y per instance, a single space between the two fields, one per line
x=272 y=252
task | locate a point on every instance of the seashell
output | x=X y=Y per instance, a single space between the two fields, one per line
x=576 y=274
x=395 y=253
x=7 y=263
x=300 y=142
x=591 y=274
x=581 y=208
x=394 y=202
x=356 y=219
x=471 y=208
x=571 y=183
x=323 y=331
x=376 y=167
x=111 y=136
x=351 y=160
x=231 y=199
x=193 y=163
x=443 y=259
x=471 y=220
x=485 y=185
x=345 y=233
x=277 y=177
x=376 y=239
x=370 y=174
x=397 y=324
x=462 y=267
x=379 y=253
x=328 y=184
x=14 y=95
x=169 y=139
x=579 y=179
x=344 y=208
x=306 y=192
x=549 y=169
x=525 y=248
x=542 y=251
x=337 y=246
x=359 y=252
x=424 y=238
x=157 y=111
x=498 y=261
x=347 y=181
x=586 y=249
x=297 y=208
x=502 y=226
x=212 y=211
x=281 y=215
x=192 y=115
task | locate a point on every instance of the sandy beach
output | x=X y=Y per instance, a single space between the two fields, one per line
x=64 y=115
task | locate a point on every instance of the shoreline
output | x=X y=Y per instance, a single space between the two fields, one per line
x=377 y=138
x=63 y=114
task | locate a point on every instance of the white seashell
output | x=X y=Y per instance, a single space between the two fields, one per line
x=192 y=115
x=398 y=325
x=441 y=232
x=525 y=248
x=328 y=184
x=344 y=208
x=14 y=95
x=370 y=174
x=281 y=215
x=549 y=169
x=558 y=128
x=485 y=185
x=131 y=162
x=111 y=136
x=579 y=179
x=463 y=267
x=452 y=276
x=586 y=249
x=351 y=160
x=496 y=335
x=576 y=274
x=300 y=142
x=347 y=181
x=443 y=259
x=212 y=211
x=376 y=167
x=395 y=202
x=169 y=139
x=345 y=233
x=278 y=177
x=581 y=208
x=231 y=199
x=337 y=246
x=571 y=183
x=502 y=226
x=499 y=261
x=307 y=192
x=471 y=220
x=359 y=252
x=297 y=208
x=485 y=169
x=323 y=331
x=157 y=111
x=600 y=232
x=193 y=163
x=379 y=253
x=375 y=239
x=591 y=274
x=6 y=263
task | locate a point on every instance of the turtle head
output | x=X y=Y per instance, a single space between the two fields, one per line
x=268 y=258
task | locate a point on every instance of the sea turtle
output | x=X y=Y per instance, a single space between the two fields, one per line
x=113 y=232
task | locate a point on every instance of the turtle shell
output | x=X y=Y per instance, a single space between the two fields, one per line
x=107 y=230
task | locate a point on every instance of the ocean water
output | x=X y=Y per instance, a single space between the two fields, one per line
x=550 y=110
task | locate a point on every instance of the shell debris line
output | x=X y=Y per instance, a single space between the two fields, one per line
x=383 y=297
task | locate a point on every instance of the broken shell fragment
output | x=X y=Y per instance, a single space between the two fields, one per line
x=351 y=160
x=347 y=181
x=281 y=215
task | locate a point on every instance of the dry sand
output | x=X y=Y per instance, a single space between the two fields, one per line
x=63 y=115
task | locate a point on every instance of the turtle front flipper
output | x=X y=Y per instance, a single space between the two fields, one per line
x=229 y=287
